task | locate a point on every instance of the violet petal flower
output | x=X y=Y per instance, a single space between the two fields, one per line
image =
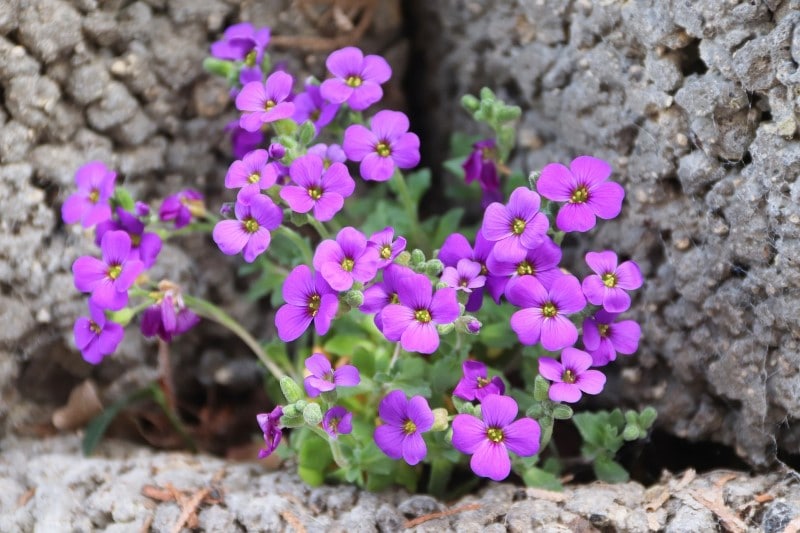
x=608 y=285
x=242 y=42
x=413 y=320
x=90 y=204
x=457 y=247
x=308 y=299
x=256 y=216
x=516 y=227
x=357 y=80
x=316 y=188
x=270 y=424
x=481 y=165
x=243 y=141
x=337 y=421
x=324 y=379
x=465 y=276
x=475 y=384
x=544 y=313
x=603 y=338
x=404 y=421
x=379 y=295
x=330 y=153
x=571 y=377
x=145 y=246
x=310 y=105
x=262 y=103
x=168 y=317
x=489 y=440
x=388 y=248
x=387 y=145
x=110 y=278
x=180 y=207
x=96 y=337
x=253 y=170
x=540 y=262
x=346 y=260
x=584 y=188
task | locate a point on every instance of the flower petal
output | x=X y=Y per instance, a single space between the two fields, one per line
x=522 y=437
x=414 y=448
x=468 y=433
x=551 y=369
x=556 y=182
x=292 y=321
x=491 y=460
x=418 y=337
x=230 y=236
x=498 y=411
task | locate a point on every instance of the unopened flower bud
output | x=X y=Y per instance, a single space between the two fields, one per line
x=403 y=258
x=631 y=432
x=354 y=298
x=444 y=329
x=417 y=257
x=312 y=414
x=141 y=209
x=562 y=412
x=290 y=411
x=122 y=317
x=226 y=210
x=290 y=389
x=470 y=103
x=507 y=113
x=434 y=267
x=276 y=151
x=440 y=419
x=441 y=285
x=533 y=177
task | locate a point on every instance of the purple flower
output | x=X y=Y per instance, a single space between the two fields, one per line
x=256 y=216
x=387 y=248
x=310 y=105
x=329 y=153
x=263 y=103
x=379 y=295
x=357 y=78
x=337 y=421
x=404 y=421
x=584 y=187
x=270 y=425
x=242 y=42
x=540 y=262
x=346 y=260
x=243 y=141
x=276 y=151
x=481 y=166
x=603 y=338
x=516 y=227
x=324 y=379
x=181 y=206
x=308 y=298
x=489 y=440
x=96 y=337
x=544 y=311
x=457 y=247
x=89 y=204
x=253 y=171
x=465 y=276
x=108 y=280
x=144 y=246
x=317 y=189
x=141 y=209
x=571 y=377
x=388 y=145
x=413 y=320
x=475 y=384
x=168 y=317
x=607 y=286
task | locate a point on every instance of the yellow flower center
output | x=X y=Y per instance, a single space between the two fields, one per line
x=250 y=58
x=333 y=423
x=383 y=149
x=348 y=264
x=549 y=310
x=603 y=329
x=495 y=434
x=269 y=105
x=484 y=270
x=580 y=195
x=253 y=178
x=518 y=226
x=314 y=115
x=393 y=298
x=525 y=269
x=386 y=251
x=250 y=225
x=94 y=327
x=315 y=193
x=114 y=271
x=568 y=376
x=482 y=382
x=423 y=315
x=609 y=280
x=464 y=282
x=136 y=240
x=195 y=207
x=94 y=196
x=313 y=304
x=353 y=81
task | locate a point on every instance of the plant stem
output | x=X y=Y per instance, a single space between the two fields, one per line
x=162 y=401
x=212 y=312
x=395 y=354
x=297 y=239
x=336 y=450
x=440 y=477
x=322 y=231
x=410 y=207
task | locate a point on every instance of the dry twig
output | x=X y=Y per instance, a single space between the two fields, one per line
x=433 y=516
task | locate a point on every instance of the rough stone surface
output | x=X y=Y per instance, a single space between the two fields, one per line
x=696 y=105
x=45 y=484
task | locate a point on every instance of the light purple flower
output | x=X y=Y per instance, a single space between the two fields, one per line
x=90 y=204
x=310 y=105
x=110 y=278
x=253 y=171
x=603 y=338
x=489 y=440
x=168 y=317
x=270 y=424
x=475 y=384
x=388 y=247
x=457 y=247
x=346 y=260
x=256 y=215
x=571 y=377
x=337 y=421
x=96 y=337
x=324 y=379
x=181 y=206
x=379 y=295
x=145 y=246
x=413 y=320
x=465 y=276
x=242 y=42
x=387 y=145
x=243 y=141
x=262 y=103
x=544 y=311
x=584 y=188
x=608 y=285
x=516 y=227
x=540 y=262
x=308 y=299
x=404 y=421
x=329 y=154
x=317 y=189
x=357 y=80
x=481 y=165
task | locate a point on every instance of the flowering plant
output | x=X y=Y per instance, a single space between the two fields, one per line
x=418 y=340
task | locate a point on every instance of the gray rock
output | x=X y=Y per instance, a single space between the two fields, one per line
x=778 y=515
x=88 y=82
x=114 y=107
x=50 y=28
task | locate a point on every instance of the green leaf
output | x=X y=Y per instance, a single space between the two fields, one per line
x=98 y=426
x=448 y=224
x=536 y=477
x=346 y=344
x=455 y=167
x=315 y=453
x=219 y=67
x=314 y=478
x=647 y=417
x=632 y=432
x=418 y=184
x=541 y=389
x=124 y=199
x=610 y=471
x=306 y=133
x=562 y=412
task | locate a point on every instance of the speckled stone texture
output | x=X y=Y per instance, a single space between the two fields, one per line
x=695 y=104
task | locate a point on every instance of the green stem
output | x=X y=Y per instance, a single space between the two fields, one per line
x=395 y=354
x=409 y=206
x=299 y=241
x=319 y=226
x=441 y=469
x=547 y=431
x=161 y=399
x=336 y=450
x=194 y=227
x=212 y=312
